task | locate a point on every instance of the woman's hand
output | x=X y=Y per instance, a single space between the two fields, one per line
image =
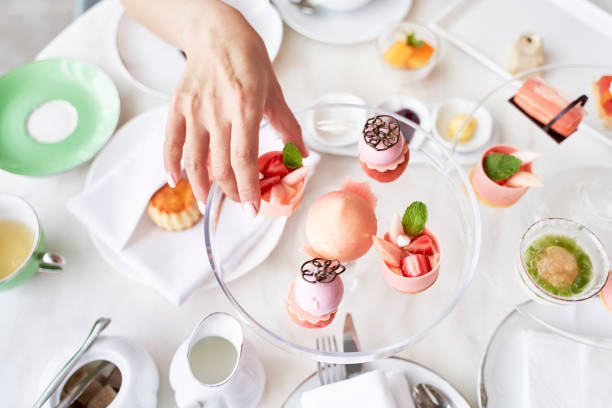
x=227 y=87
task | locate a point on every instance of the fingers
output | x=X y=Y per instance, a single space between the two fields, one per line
x=196 y=158
x=221 y=159
x=244 y=153
x=173 y=144
x=281 y=118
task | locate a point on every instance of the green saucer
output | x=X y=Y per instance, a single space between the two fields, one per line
x=81 y=105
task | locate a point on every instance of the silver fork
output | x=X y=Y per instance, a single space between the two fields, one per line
x=328 y=372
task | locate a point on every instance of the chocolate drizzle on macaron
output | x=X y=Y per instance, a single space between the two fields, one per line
x=381 y=132
x=321 y=270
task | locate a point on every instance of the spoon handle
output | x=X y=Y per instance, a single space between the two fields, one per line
x=96 y=329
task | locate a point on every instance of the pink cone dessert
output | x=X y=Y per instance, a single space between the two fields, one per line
x=410 y=268
x=315 y=295
x=508 y=192
x=340 y=224
x=383 y=151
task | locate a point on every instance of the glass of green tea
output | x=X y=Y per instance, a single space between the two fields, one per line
x=562 y=261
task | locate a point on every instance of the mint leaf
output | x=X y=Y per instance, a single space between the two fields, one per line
x=499 y=166
x=414 y=218
x=411 y=40
x=292 y=157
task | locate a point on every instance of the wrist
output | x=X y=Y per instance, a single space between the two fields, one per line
x=201 y=23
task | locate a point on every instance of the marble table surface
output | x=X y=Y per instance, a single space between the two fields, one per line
x=50 y=313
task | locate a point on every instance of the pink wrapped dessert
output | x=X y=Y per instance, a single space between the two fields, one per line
x=503 y=175
x=282 y=181
x=410 y=253
x=340 y=224
x=314 y=296
x=543 y=103
x=383 y=151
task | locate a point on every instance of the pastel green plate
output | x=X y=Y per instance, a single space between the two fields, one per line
x=84 y=86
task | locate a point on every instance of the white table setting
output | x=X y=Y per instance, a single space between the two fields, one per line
x=486 y=341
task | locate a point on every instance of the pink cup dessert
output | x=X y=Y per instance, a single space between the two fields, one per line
x=383 y=151
x=341 y=223
x=315 y=295
x=606 y=293
x=409 y=264
x=504 y=193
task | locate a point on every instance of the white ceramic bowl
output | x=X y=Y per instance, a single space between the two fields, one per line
x=446 y=110
x=341 y=5
x=341 y=127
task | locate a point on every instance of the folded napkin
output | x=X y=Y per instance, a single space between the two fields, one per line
x=560 y=373
x=175 y=263
x=378 y=389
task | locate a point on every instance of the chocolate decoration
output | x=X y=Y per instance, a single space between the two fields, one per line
x=321 y=270
x=381 y=132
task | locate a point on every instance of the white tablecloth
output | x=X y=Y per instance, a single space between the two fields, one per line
x=50 y=312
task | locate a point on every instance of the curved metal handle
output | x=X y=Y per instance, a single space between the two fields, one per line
x=50 y=263
x=96 y=329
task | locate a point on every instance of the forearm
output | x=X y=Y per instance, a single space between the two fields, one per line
x=176 y=21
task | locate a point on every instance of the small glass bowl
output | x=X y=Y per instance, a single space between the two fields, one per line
x=585 y=239
x=399 y=32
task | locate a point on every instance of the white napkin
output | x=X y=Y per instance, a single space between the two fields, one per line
x=175 y=263
x=560 y=373
x=372 y=389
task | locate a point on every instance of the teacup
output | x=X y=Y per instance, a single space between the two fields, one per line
x=14 y=209
x=340 y=5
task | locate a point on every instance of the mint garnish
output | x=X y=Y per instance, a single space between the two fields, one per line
x=411 y=40
x=499 y=166
x=292 y=157
x=414 y=218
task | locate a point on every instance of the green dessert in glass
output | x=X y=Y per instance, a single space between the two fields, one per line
x=558 y=265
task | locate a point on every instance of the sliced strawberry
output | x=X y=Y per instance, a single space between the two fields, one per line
x=278 y=194
x=295 y=176
x=421 y=244
x=415 y=265
x=389 y=252
x=266 y=184
x=524 y=179
x=275 y=167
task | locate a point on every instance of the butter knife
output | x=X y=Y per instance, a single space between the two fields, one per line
x=351 y=344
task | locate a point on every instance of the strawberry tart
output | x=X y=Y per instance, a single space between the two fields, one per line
x=410 y=253
x=340 y=224
x=503 y=175
x=314 y=296
x=282 y=179
x=383 y=151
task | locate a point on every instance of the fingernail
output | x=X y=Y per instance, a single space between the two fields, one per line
x=249 y=209
x=201 y=206
x=170 y=179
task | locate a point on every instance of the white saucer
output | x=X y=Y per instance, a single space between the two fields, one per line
x=501 y=379
x=125 y=140
x=484 y=136
x=155 y=67
x=415 y=373
x=351 y=27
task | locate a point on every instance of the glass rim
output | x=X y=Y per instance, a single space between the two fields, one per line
x=541 y=290
x=382 y=352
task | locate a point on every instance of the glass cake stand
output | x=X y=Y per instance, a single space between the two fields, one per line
x=387 y=321
x=575 y=188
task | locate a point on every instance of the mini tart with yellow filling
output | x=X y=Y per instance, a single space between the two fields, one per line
x=174 y=209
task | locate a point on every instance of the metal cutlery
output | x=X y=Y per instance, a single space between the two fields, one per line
x=305 y=6
x=428 y=396
x=350 y=343
x=96 y=329
x=328 y=372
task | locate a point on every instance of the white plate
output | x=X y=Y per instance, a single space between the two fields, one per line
x=502 y=376
x=415 y=373
x=155 y=67
x=335 y=27
x=125 y=140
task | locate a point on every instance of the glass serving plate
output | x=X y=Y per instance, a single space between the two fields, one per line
x=387 y=321
x=576 y=187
